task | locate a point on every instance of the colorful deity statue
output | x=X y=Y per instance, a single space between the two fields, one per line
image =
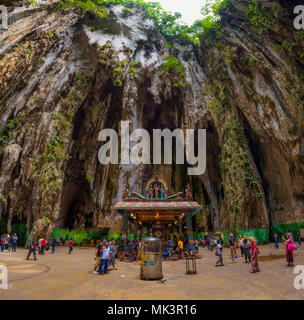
x=156 y=189
x=126 y=192
x=162 y=193
x=155 y=192
x=188 y=193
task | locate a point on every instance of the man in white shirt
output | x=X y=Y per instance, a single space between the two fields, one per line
x=105 y=259
x=40 y=245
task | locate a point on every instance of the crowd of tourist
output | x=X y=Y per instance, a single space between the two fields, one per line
x=44 y=244
x=130 y=251
x=107 y=252
x=248 y=248
x=9 y=242
x=105 y=255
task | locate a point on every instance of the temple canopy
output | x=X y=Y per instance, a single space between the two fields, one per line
x=158 y=208
x=176 y=206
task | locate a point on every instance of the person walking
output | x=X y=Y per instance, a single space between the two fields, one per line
x=241 y=245
x=70 y=246
x=47 y=247
x=232 y=246
x=247 y=246
x=208 y=243
x=32 y=247
x=254 y=254
x=2 y=241
x=180 y=248
x=236 y=243
x=170 y=244
x=10 y=243
x=43 y=244
x=196 y=245
x=211 y=244
x=139 y=251
x=15 y=241
x=219 y=253
x=98 y=255
x=289 y=249
x=105 y=259
x=276 y=241
x=113 y=253
x=53 y=245
x=6 y=242
x=134 y=253
x=299 y=238
x=40 y=246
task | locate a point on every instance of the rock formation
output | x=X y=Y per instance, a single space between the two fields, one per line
x=66 y=75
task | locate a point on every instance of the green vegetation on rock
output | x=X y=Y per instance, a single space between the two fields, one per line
x=172 y=65
x=48 y=164
x=260 y=16
x=168 y=23
x=8 y=132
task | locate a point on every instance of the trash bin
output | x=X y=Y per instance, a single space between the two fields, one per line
x=151 y=259
x=190 y=265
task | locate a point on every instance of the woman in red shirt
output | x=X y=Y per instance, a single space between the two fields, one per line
x=2 y=244
x=43 y=244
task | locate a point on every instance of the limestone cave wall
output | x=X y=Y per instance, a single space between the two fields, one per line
x=66 y=75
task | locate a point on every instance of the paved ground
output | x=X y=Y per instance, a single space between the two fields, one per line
x=63 y=276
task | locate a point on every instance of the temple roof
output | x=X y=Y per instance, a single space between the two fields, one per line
x=157 y=205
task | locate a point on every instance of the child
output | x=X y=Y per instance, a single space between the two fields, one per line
x=276 y=241
x=70 y=246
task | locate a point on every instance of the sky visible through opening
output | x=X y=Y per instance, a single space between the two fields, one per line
x=190 y=9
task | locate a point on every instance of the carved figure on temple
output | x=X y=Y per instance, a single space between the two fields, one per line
x=126 y=192
x=188 y=193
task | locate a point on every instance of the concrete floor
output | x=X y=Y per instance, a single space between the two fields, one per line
x=64 y=276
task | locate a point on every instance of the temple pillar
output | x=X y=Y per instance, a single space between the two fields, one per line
x=125 y=227
x=190 y=231
x=135 y=229
x=180 y=227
